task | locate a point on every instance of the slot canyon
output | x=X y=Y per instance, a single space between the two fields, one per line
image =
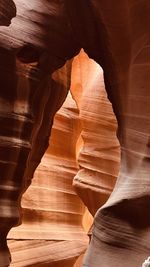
x=74 y=133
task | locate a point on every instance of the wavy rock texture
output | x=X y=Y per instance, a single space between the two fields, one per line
x=28 y=156
x=7 y=12
x=99 y=156
x=45 y=253
x=43 y=35
x=51 y=209
x=27 y=60
x=117 y=37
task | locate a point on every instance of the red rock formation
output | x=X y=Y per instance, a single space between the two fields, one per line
x=47 y=33
x=51 y=209
x=99 y=157
x=117 y=37
x=53 y=181
x=42 y=253
x=7 y=12
x=26 y=65
x=50 y=200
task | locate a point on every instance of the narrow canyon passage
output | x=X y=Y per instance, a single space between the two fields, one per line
x=51 y=208
x=39 y=40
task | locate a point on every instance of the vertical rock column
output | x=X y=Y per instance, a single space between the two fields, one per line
x=99 y=156
x=27 y=58
x=117 y=37
x=7 y=12
x=51 y=208
x=26 y=93
x=15 y=135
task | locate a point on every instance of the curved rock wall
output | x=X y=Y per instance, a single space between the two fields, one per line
x=27 y=62
x=51 y=208
x=40 y=39
x=99 y=156
x=117 y=37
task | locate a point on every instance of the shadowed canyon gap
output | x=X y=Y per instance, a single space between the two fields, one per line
x=41 y=38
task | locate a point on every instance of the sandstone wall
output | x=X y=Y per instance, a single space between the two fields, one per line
x=83 y=150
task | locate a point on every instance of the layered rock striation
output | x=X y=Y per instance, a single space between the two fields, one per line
x=51 y=208
x=117 y=37
x=42 y=37
x=99 y=155
x=7 y=12
x=26 y=65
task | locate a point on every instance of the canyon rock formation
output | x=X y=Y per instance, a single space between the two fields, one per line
x=41 y=38
x=99 y=155
x=51 y=209
x=52 y=212
x=120 y=43
x=26 y=81
x=7 y=12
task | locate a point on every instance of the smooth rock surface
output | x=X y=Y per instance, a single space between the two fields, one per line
x=51 y=209
x=99 y=155
x=40 y=39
